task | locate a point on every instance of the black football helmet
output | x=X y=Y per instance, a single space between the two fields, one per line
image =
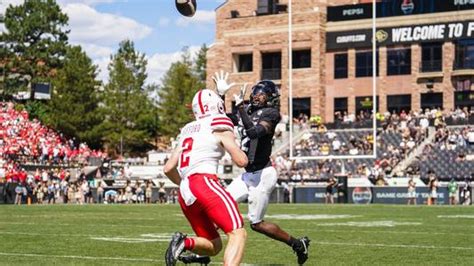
x=271 y=92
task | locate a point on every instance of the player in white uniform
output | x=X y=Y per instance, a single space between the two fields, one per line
x=204 y=202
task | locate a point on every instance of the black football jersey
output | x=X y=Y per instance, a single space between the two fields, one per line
x=259 y=150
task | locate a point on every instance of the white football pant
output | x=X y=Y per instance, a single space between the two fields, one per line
x=257 y=188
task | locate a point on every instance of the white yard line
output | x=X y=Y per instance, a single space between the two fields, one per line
x=390 y=246
x=78 y=257
x=384 y=232
x=91 y=258
x=224 y=236
x=95 y=225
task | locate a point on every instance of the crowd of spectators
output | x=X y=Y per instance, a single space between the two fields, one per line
x=24 y=141
x=398 y=134
x=57 y=186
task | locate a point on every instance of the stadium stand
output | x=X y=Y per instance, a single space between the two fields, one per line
x=52 y=168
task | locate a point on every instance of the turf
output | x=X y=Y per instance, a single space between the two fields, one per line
x=139 y=234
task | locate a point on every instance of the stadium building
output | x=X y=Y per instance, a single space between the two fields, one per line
x=425 y=53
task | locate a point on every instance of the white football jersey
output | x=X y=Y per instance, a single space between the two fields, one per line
x=201 y=150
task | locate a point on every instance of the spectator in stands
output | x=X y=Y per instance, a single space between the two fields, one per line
x=148 y=192
x=461 y=157
x=19 y=194
x=411 y=191
x=470 y=136
x=174 y=195
x=100 y=191
x=162 y=193
x=466 y=192
x=330 y=189
x=71 y=193
x=51 y=192
x=127 y=197
x=433 y=186
x=453 y=192
x=380 y=181
x=64 y=186
x=38 y=191
x=140 y=193
x=79 y=194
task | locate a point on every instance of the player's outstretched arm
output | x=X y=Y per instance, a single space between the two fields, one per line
x=171 y=165
x=220 y=79
x=227 y=139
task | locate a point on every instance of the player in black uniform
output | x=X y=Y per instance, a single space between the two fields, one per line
x=256 y=124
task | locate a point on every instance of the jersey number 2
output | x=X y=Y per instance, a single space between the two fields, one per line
x=187 y=147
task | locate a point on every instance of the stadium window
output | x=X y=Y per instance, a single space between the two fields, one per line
x=399 y=103
x=244 y=62
x=340 y=107
x=364 y=64
x=463 y=84
x=398 y=61
x=464 y=58
x=271 y=65
x=302 y=59
x=464 y=99
x=340 y=66
x=431 y=100
x=301 y=106
x=365 y=104
x=267 y=7
x=431 y=57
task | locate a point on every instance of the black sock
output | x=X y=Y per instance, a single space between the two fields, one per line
x=292 y=242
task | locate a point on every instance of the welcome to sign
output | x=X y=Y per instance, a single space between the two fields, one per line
x=401 y=35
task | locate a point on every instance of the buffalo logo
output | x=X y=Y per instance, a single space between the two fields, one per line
x=407 y=7
x=367 y=102
x=381 y=36
x=362 y=195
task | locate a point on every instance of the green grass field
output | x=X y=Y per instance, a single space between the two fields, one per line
x=139 y=234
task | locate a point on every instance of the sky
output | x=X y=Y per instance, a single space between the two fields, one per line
x=155 y=26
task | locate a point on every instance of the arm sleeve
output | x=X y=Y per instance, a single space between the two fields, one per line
x=271 y=116
x=222 y=123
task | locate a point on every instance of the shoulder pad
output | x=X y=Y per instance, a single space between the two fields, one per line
x=271 y=115
x=221 y=123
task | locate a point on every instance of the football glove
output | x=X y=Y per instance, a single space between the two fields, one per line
x=239 y=99
x=221 y=82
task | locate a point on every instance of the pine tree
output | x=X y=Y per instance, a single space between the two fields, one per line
x=200 y=63
x=35 y=43
x=128 y=112
x=73 y=109
x=179 y=85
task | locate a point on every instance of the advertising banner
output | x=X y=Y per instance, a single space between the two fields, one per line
x=436 y=32
x=396 y=8
x=399 y=195
x=311 y=195
x=368 y=195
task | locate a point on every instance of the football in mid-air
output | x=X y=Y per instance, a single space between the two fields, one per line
x=186 y=7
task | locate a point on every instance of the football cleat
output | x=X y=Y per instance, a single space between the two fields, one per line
x=175 y=248
x=194 y=258
x=301 y=250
